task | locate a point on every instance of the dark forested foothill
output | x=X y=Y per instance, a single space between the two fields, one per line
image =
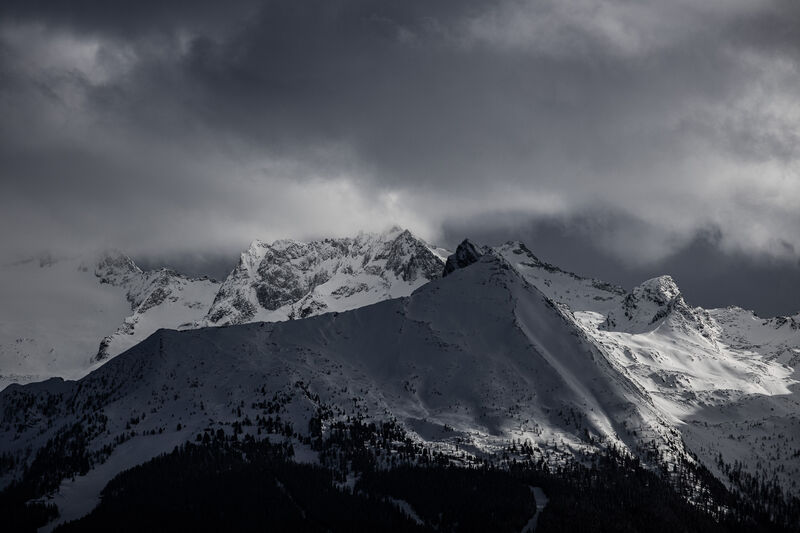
x=223 y=483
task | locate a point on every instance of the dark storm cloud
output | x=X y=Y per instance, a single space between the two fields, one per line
x=119 y=18
x=175 y=127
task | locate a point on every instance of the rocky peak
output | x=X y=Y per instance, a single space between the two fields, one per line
x=288 y=278
x=409 y=258
x=466 y=253
x=646 y=305
x=252 y=257
x=116 y=268
x=658 y=301
x=661 y=290
x=793 y=322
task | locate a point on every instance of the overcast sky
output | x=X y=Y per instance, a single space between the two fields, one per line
x=622 y=137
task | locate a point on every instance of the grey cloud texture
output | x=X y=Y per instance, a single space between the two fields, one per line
x=184 y=126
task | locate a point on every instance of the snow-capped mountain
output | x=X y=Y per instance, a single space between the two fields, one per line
x=726 y=379
x=473 y=360
x=289 y=279
x=79 y=312
x=501 y=348
x=158 y=298
x=659 y=302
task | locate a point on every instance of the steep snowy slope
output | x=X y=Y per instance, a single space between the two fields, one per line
x=724 y=377
x=776 y=338
x=576 y=292
x=687 y=355
x=158 y=299
x=469 y=361
x=678 y=353
x=290 y=279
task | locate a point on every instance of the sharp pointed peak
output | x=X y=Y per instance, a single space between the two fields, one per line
x=661 y=288
x=466 y=254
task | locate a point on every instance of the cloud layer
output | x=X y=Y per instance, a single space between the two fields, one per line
x=181 y=126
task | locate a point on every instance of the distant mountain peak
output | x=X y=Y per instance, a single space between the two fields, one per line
x=293 y=279
x=659 y=302
x=661 y=289
x=116 y=268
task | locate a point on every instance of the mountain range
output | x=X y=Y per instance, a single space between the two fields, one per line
x=78 y=312
x=469 y=354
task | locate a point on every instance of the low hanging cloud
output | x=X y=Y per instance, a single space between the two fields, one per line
x=182 y=126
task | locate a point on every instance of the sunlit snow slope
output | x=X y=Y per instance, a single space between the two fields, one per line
x=726 y=378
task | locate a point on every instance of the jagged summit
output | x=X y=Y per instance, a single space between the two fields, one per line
x=661 y=289
x=466 y=253
x=85 y=310
x=658 y=302
x=282 y=280
x=115 y=267
x=292 y=279
x=647 y=305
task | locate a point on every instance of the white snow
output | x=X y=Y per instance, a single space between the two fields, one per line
x=725 y=378
x=541 y=502
x=59 y=315
x=406 y=508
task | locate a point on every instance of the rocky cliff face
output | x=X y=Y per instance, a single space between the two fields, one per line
x=466 y=254
x=159 y=298
x=289 y=279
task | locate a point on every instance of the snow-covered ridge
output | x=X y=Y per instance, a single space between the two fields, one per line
x=472 y=360
x=715 y=374
x=159 y=298
x=504 y=347
x=83 y=311
x=466 y=253
x=576 y=292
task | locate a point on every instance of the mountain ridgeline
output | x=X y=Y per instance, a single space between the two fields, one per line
x=370 y=366
x=119 y=305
